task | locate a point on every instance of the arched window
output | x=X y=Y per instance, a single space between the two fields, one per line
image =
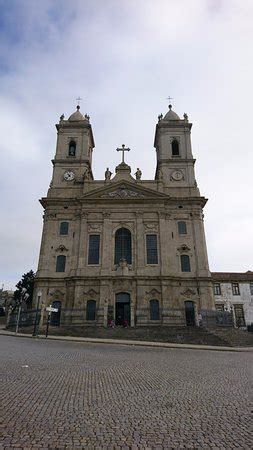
x=72 y=148
x=175 y=147
x=185 y=263
x=154 y=310
x=64 y=228
x=182 y=227
x=91 y=310
x=123 y=246
x=60 y=263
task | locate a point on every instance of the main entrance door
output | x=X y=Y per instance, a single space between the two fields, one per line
x=190 y=314
x=122 y=309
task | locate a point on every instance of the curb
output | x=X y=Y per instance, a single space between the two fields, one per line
x=131 y=342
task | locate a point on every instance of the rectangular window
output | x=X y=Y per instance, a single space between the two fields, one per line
x=235 y=289
x=251 y=288
x=182 y=227
x=217 y=289
x=94 y=244
x=64 y=228
x=151 y=245
x=185 y=263
x=219 y=307
x=239 y=316
x=60 y=263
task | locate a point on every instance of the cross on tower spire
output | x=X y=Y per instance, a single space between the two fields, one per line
x=123 y=149
x=169 y=98
x=78 y=100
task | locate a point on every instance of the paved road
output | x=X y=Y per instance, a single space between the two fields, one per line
x=75 y=395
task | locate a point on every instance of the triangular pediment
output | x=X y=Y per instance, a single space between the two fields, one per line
x=125 y=190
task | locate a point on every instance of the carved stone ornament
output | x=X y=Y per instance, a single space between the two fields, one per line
x=106 y=214
x=123 y=268
x=188 y=293
x=153 y=293
x=183 y=248
x=123 y=193
x=94 y=227
x=122 y=285
x=91 y=293
x=198 y=215
x=151 y=226
x=56 y=293
x=173 y=138
x=49 y=216
x=61 y=248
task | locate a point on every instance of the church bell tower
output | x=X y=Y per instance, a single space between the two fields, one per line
x=175 y=162
x=73 y=158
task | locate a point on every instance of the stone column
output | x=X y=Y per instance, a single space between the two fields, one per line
x=76 y=242
x=49 y=220
x=133 y=303
x=106 y=257
x=140 y=245
x=82 y=248
x=202 y=268
x=163 y=240
x=141 y=309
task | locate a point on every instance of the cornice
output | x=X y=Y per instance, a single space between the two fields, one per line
x=128 y=277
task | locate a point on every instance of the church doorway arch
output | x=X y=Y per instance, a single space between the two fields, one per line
x=190 y=313
x=122 y=309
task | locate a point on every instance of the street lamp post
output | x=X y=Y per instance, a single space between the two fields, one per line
x=35 y=329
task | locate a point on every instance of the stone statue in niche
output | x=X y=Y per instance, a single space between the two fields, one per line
x=138 y=174
x=123 y=268
x=86 y=174
x=108 y=174
x=159 y=175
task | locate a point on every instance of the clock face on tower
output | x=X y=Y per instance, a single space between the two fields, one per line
x=69 y=175
x=177 y=175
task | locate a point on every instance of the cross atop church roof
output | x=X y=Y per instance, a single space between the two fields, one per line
x=123 y=150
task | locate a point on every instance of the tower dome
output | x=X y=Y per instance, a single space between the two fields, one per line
x=171 y=115
x=76 y=116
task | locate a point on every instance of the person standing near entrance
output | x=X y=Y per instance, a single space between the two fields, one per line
x=200 y=319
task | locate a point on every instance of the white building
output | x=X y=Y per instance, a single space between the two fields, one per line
x=234 y=292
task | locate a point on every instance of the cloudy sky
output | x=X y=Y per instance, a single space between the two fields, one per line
x=124 y=58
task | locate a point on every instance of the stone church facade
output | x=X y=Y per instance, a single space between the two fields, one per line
x=124 y=249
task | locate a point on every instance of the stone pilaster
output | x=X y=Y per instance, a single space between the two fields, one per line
x=107 y=255
x=163 y=240
x=140 y=244
x=82 y=252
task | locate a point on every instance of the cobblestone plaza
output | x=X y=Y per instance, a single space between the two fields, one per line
x=76 y=395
